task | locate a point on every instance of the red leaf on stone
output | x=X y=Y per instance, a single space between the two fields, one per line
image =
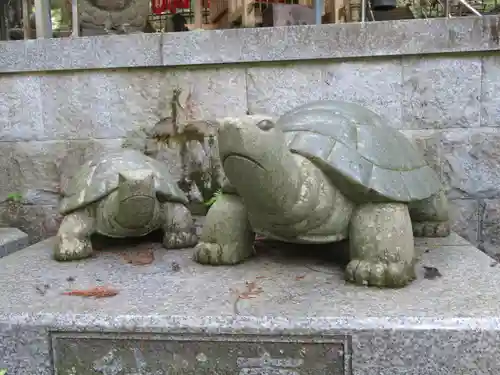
x=252 y=291
x=95 y=292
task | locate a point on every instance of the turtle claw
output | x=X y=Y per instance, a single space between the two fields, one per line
x=388 y=275
x=215 y=254
x=431 y=229
x=72 y=249
x=179 y=240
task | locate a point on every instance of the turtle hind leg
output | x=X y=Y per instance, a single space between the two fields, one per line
x=179 y=229
x=381 y=246
x=73 y=238
x=430 y=216
x=227 y=237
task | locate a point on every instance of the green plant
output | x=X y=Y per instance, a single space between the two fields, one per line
x=211 y=201
x=3 y=371
x=14 y=197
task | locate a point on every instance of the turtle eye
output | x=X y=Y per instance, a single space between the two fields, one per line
x=265 y=125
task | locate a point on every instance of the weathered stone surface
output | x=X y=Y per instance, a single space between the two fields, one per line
x=490 y=225
x=471 y=160
x=20 y=108
x=105 y=104
x=113 y=51
x=109 y=104
x=12 y=239
x=213 y=92
x=38 y=168
x=429 y=142
x=36 y=171
x=38 y=221
x=219 y=356
x=110 y=51
x=464 y=215
x=441 y=92
x=490 y=101
x=131 y=14
x=394 y=38
x=277 y=89
x=376 y=85
x=441 y=326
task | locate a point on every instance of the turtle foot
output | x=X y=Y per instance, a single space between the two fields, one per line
x=431 y=229
x=179 y=240
x=385 y=275
x=215 y=254
x=72 y=249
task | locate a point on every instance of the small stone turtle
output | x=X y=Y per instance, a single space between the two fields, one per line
x=324 y=172
x=122 y=194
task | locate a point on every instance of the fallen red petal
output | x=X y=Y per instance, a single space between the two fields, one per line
x=96 y=292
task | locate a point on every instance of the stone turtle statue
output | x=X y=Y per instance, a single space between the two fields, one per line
x=122 y=194
x=324 y=172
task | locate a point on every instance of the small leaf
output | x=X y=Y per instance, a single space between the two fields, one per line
x=212 y=200
x=14 y=197
x=95 y=292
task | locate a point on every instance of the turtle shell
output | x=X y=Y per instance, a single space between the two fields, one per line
x=363 y=156
x=99 y=177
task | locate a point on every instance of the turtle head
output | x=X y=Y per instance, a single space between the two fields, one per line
x=257 y=161
x=135 y=203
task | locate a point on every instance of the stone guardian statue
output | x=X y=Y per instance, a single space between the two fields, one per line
x=324 y=172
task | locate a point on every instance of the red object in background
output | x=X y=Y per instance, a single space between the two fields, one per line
x=159 y=6
x=178 y=4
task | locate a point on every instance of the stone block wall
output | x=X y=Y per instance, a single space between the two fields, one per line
x=435 y=80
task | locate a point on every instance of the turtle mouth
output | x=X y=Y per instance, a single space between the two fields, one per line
x=244 y=157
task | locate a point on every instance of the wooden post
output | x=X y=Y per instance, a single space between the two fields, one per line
x=75 y=19
x=42 y=18
x=26 y=19
x=244 y=13
x=198 y=16
x=4 y=28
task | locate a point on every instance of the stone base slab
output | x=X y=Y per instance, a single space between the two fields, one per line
x=11 y=240
x=275 y=314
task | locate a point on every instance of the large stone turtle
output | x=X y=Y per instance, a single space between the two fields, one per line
x=325 y=172
x=122 y=194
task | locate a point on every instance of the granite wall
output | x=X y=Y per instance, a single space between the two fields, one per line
x=62 y=100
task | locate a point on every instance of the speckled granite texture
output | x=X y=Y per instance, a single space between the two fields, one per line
x=290 y=43
x=446 y=325
x=11 y=240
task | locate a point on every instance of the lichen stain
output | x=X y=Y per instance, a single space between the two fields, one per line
x=182 y=131
x=110 y=364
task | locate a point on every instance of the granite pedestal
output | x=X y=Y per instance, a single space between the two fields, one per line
x=11 y=240
x=273 y=315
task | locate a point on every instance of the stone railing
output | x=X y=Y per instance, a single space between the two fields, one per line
x=62 y=100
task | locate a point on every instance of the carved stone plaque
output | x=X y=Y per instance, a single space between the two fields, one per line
x=162 y=354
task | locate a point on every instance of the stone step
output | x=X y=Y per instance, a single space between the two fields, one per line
x=11 y=240
x=279 y=313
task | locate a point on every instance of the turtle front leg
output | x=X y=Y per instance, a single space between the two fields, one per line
x=227 y=237
x=430 y=216
x=381 y=246
x=179 y=227
x=73 y=238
